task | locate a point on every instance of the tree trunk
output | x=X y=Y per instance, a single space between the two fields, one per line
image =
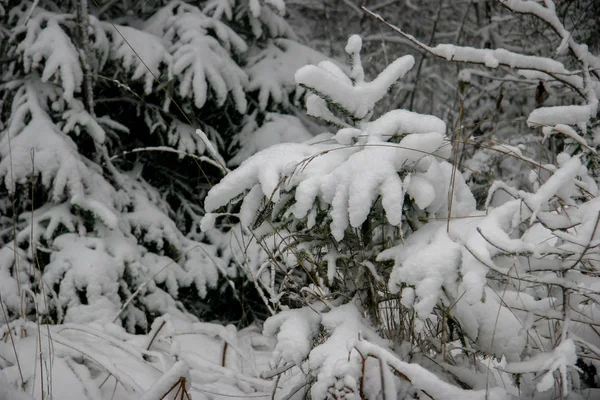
x=83 y=47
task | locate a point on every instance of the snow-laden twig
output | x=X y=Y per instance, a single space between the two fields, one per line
x=168 y=149
x=492 y=58
x=167 y=385
x=423 y=379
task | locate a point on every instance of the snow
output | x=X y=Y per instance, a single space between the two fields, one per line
x=251 y=205
x=254 y=8
x=8 y=393
x=212 y=150
x=564 y=355
x=559 y=184
x=205 y=63
x=105 y=214
x=201 y=61
x=357 y=74
x=569 y=115
x=568 y=132
x=46 y=40
x=477 y=253
x=55 y=154
x=183 y=137
x=151 y=224
x=132 y=45
x=352 y=198
x=264 y=168
x=276 y=129
x=392 y=192
x=81 y=225
x=219 y=8
x=331 y=258
x=495 y=328
x=331 y=360
x=271 y=71
x=84 y=356
x=548 y=14
x=169 y=383
x=316 y=107
x=279 y=5
x=295 y=331
x=208 y=221
x=428 y=267
x=425 y=380
x=403 y=121
x=497 y=57
x=493 y=58
x=80 y=265
x=81 y=117
x=420 y=190
x=357 y=98
x=354 y=45
x=347 y=136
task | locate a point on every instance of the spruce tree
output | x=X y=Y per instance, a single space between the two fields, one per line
x=117 y=117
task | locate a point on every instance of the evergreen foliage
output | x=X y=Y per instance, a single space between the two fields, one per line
x=103 y=187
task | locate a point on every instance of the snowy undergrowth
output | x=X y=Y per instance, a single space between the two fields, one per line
x=383 y=279
x=182 y=359
x=176 y=359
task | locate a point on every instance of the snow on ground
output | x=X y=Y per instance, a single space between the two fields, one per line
x=208 y=361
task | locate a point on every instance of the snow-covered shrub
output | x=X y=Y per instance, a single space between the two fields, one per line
x=335 y=189
x=326 y=208
x=372 y=233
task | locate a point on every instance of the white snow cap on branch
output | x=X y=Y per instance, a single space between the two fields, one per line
x=356 y=96
x=562 y=357
x=349 y=179
x=46 y=40
x=569 y=115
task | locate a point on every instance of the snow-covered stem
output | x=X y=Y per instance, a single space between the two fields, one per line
x=12 y=342
x=421 y=378
x=548 y=15
x=213 y=161
x=173 y=382
x=492 y=58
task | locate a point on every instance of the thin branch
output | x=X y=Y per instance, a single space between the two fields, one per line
x=486 y=57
